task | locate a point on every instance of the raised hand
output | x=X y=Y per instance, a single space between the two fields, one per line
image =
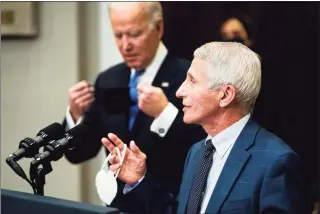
x=133 y=167
x=152 y=100
x=81 y=95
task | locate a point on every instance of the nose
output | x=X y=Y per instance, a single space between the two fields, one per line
x=181 y=92
x=126 y=44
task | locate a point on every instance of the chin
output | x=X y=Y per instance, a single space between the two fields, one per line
x=132 y=65
x=136 y=64
x=187 y=120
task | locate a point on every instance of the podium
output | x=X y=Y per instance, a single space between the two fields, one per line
x=14 y=202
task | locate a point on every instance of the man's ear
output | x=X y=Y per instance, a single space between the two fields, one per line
x=227 y=95
x=159 y=28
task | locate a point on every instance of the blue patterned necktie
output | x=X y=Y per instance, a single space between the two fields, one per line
x=134 y=109
x=199 y=183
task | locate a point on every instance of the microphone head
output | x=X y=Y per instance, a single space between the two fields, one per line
x=78 y=133
x=52 y=132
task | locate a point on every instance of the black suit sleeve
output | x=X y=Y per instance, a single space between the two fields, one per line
x=85 y=149
x=89 y=146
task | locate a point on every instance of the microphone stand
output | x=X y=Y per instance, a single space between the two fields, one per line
x=19 y=171
x=38 y=174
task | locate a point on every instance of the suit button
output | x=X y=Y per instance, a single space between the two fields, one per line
x=161 y=130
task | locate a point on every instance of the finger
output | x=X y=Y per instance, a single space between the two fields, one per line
x=114 y=159
x=84 y=99
x=143 y=98
x=108 y=145
x=88 y=102
x=143 y=87
x=79 y=86
x=114 y=167
x=158 y=90
x=83 y=92
x=117 y=142
x=155 y=92
x=114 y=148
x=77 y=98
x=144 y=105
x=149 y=90
x=134 y=148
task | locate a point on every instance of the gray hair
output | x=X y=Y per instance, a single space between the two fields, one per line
x=233 y=64
x=153 y=9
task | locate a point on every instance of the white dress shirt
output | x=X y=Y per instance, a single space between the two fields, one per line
x=161 y=124
x=223 y=142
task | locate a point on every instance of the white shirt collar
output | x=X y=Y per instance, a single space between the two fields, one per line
x=225 y=139
x=152 y=69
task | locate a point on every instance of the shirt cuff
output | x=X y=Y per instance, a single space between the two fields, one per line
x=127 y=188
x=162 y=124
x=69 y=120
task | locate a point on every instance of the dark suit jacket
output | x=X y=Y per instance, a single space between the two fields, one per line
x=261 y=175
x=169 y=151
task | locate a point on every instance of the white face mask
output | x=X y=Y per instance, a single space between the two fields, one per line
x=106 y=180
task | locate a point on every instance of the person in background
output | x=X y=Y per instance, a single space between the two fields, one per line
x=237 y=29
x=136 y=99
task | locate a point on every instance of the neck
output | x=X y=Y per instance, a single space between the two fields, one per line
x=222 y=120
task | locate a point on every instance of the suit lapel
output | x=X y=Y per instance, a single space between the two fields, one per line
x=233 y=166
x=188 y=177
x=166 y=73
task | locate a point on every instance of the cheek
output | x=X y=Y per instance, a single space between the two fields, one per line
x=141 y=42
x=201 y=105
x=204 y=105
x=118 y=43
x=198 y=102
x=140 y=48
x=148 y=43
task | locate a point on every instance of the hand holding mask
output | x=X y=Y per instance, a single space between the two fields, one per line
x=106 y=179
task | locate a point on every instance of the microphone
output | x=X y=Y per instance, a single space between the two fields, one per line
x=29 y=147
x=55 y=149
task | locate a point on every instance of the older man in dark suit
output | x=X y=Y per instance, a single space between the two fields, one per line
x=136 y=99
x=240 y=167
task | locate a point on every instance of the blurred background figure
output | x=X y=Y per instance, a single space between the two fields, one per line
x=237 y=29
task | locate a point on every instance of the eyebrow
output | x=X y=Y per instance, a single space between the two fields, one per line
x=190 y=75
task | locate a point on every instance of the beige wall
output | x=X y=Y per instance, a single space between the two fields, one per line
x=35 y=76
x=75 y=43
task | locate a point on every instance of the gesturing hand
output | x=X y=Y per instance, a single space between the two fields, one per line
x=134 y=164
x=81 y=95
x=152 y=100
